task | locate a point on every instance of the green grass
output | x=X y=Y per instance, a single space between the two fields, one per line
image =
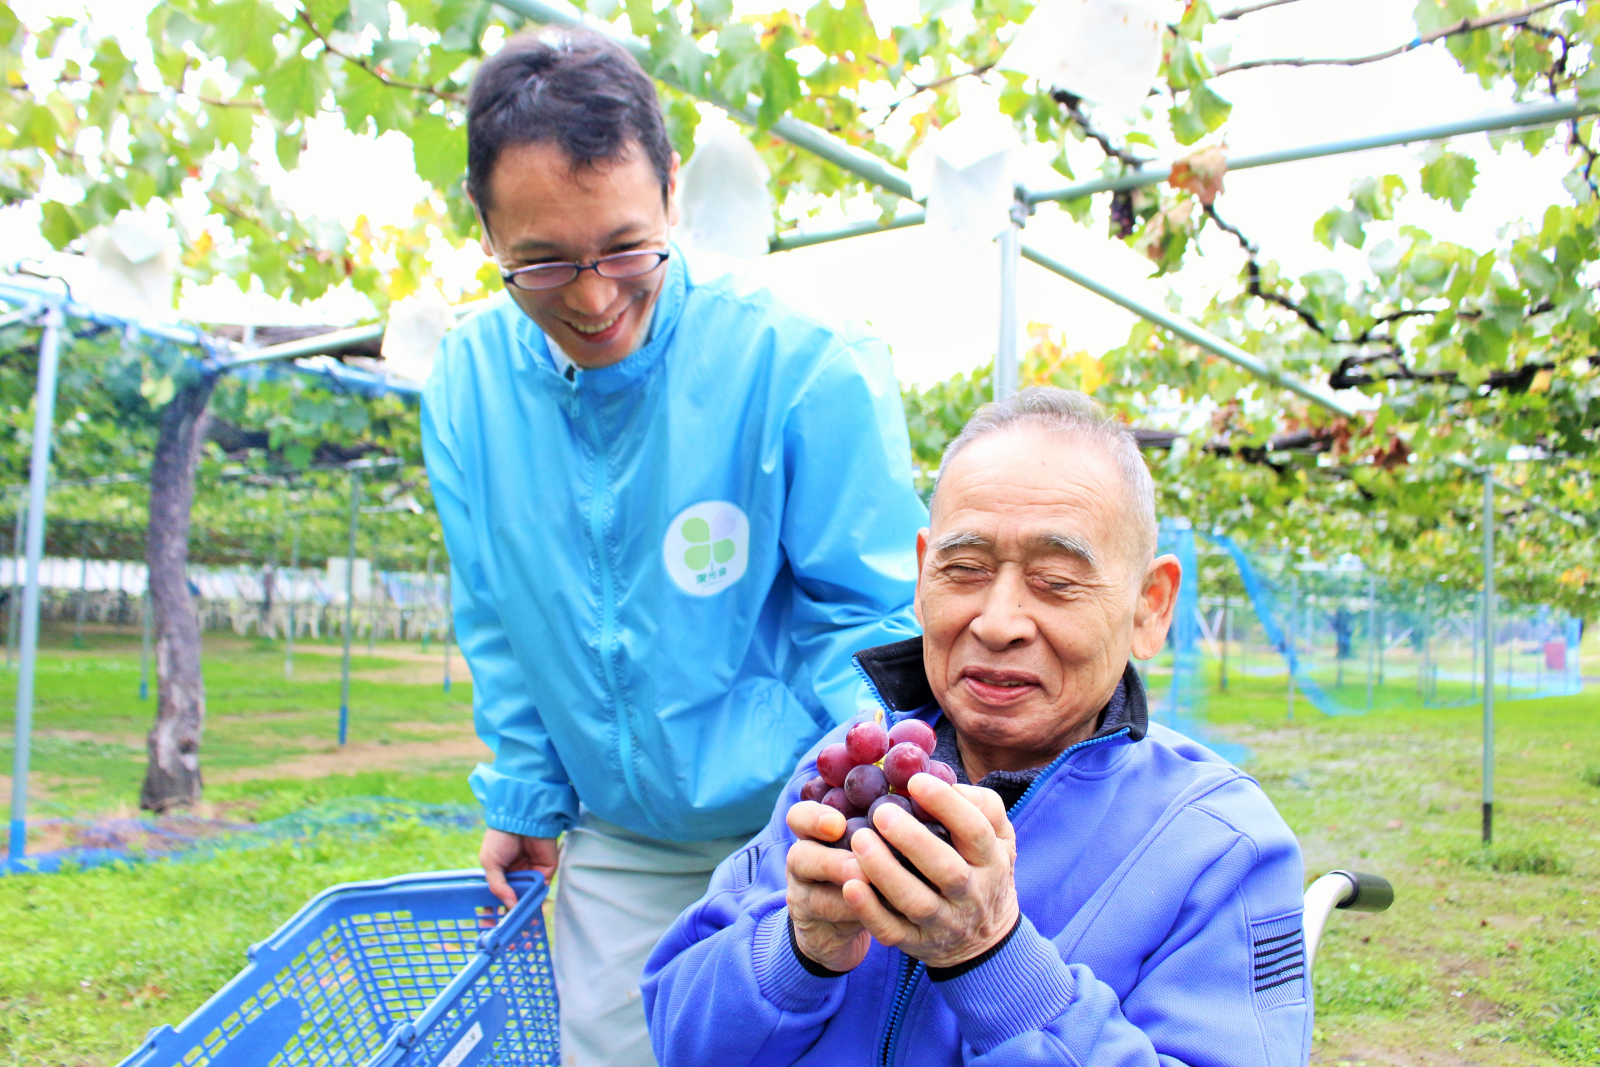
x=1488 y=953
x=1489 y=956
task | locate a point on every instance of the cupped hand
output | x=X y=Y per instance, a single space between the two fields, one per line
x=975 y=904
x=502 y=853
x=826 y=928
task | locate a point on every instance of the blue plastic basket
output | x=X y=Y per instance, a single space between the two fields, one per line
x=427 y=969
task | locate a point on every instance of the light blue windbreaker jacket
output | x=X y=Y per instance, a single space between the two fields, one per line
x=661 y=569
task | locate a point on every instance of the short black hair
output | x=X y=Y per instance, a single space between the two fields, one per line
x=580 y=90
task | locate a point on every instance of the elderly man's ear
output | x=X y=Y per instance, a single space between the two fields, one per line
x=1152 y=614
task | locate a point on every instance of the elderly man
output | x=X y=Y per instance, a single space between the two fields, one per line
x=1113 y=892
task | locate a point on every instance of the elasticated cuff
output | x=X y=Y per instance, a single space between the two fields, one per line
x=783 y=979
x=1018 y=989
x=945 y=974
x=545 y=826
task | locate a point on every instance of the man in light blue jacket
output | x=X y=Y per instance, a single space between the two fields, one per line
x=674 y=509
x=1109 y=894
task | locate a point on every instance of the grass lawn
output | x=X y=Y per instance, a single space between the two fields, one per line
x=1488 y=956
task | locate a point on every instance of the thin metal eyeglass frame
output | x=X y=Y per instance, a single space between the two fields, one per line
x=509 y=277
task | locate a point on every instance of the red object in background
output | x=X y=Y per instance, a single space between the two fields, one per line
x=1555 y=655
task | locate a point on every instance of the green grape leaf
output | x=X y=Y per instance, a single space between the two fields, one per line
x=439 y=150
x=1447 y=175
x=294 y=88
x=365 y=97
x=57 y=225
x=243 y=29
x=1201 y=112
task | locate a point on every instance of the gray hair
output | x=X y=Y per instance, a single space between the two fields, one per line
x=1048 y=409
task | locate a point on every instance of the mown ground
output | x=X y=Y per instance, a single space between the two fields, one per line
x=1488 y=957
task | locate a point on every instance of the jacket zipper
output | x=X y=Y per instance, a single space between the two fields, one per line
x=911 y=975
x=608 y=622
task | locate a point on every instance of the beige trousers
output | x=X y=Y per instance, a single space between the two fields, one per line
x=616 y=894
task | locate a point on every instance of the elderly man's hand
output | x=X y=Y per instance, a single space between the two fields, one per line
x=976 y=905
x=825 y=926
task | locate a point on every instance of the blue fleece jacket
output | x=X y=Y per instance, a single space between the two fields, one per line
x=1161 y=902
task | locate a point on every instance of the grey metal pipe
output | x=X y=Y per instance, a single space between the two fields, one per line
x=1488 y=657
x=1527 y=116
x=1006 y=355
x=14 y=605
x=1189 y=332
x=294 y=574
x=349 y=606
x=44 y=413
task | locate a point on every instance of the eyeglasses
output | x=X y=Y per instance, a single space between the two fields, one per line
x=541 y=276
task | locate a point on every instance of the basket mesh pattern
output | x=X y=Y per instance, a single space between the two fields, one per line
x=522 y=975
x=366 y=973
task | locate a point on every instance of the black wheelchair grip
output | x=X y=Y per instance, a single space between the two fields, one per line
x=1372 y=892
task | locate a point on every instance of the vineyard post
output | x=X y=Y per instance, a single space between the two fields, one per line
x=1372 y=633
x=44 y=410
x=449 y=623
x=1006 y=355
x=294 y=577
x=83 y=596
x=349 y=606
x=14 y=605
x=1294 y=610
x=1488 y=657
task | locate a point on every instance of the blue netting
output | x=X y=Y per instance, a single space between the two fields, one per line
x=1180 y=702
x=1354 y=641
x=121 y=840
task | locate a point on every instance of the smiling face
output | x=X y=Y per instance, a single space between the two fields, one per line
x=1032 y=593
x=541 y=210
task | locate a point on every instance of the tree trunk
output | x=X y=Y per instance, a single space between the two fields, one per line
x=173 y=777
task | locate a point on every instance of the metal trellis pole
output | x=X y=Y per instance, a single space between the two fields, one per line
x=83 y=600
x=294 y=575
x=1294 y=610
x=349 y=606
x=1488 y=657
x=14 y=609
x=1006 y=355
x=372 y=606
x=449 y=620
x=1372 y=634
x=44 y=410
x=427 y=626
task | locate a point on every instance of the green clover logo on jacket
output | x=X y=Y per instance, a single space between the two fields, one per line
x=707 y=547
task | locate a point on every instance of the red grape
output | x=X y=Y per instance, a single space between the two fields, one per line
x=815 y=789
x=942 y=771
x=864 y=784
x=904 y=760
x=840 y=803
x=850 y=828
x=937 y=829
x=922 y=813
x=867 y=742
x=833 y=763
x=903 y=803
x=915 y=731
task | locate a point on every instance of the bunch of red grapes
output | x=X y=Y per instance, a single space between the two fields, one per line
x=871 y=767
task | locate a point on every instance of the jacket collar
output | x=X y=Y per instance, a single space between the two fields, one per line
x=625 y=372
x=900 y=681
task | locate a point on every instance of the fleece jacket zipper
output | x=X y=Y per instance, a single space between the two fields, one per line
x=912 y=970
